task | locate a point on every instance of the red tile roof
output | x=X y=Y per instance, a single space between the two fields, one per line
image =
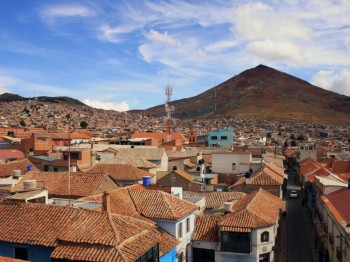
x=340 y=200
x=257 y=209
x=213 y=199
x=80 y=234
x=160 y=136
x=206 y=229
x=120 y=201
x=81 y=184
x=266 y=176
x=11 y=154
x=156 y=204
x=120 y=172
x=6 y=169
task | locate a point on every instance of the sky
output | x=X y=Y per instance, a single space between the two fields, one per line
x=121 y=54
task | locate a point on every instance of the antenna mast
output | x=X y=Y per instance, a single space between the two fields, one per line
x=168 y=110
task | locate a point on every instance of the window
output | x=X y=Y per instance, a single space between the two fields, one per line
x=179 y=230
x=152 y=255
x=188 y=225
x=203 y=255
x=214 y=138
x=233 y=166
x=223 y=137
x=235 y=242
x=265 y=237
x=21 y=253
x=181 y=257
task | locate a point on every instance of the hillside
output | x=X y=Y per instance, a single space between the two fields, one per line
x=265 y=93
x=7 y=97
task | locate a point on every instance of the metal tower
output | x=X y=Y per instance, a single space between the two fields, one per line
x=168 y=110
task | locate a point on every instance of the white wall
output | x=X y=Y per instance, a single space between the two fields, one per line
x=172 y=226
x=222 y=163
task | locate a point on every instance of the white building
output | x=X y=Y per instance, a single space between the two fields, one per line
x=231 y=162
x=246 y=233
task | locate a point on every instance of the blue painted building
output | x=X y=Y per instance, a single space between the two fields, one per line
x=221 y=138
x=26 y=252
x=169 y=257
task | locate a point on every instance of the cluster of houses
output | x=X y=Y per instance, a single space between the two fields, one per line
x=73 y=197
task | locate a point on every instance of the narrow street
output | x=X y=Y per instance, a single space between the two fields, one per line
x=299 y=249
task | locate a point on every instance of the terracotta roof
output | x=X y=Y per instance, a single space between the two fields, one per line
x=189 y=164
x=137 y=162
x=80 y=234
x=160 y=136
x=120 y=201
x=146 y=153
x=341 y=166
x=81 y=184
x=120 y=172
x=266 y=176
x=213 y=199
x=310 y=168
x=11 y=154
x=65 y=136
x=206 y=229
x=6 y=169
x=340 y=200
x=184 y=174
x=278 y=170
x=257 y=209
x=156 y=204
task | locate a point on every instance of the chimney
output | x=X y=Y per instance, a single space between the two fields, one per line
x=106 y=202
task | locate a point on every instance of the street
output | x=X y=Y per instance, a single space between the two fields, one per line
x=298 y=243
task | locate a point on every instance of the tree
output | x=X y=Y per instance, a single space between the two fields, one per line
x=83 y=124
x=293 y=143
x=292 y=136
x=268 y=135
x=22 y=122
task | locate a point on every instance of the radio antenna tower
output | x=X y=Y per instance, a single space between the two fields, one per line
x=168 y=110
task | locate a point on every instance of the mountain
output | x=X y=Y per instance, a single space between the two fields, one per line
x=264 y=93
x=7 y=97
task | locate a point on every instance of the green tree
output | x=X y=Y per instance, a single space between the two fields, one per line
x=22 y=122
x=83 y=124
x=268 y=135
x=293 y=143
x=292 y=136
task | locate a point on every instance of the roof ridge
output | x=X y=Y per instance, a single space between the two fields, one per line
x=253 y=199
x=116 y=233
x=165 y=197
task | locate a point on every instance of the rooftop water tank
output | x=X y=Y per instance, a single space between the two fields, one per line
x=146 y=180
x=29 y=184
x=29 y=168
x=16 y=173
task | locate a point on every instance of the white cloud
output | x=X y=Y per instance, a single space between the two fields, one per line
x=276 y=51
x=158 y=38
x=261 y=21
x=122 y=106
x=67 y=11
x=324 y=79
x=333 y=81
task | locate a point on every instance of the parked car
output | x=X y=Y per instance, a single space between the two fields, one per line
x=293 y=194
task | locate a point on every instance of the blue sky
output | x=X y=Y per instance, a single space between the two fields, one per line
x=120 y=55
